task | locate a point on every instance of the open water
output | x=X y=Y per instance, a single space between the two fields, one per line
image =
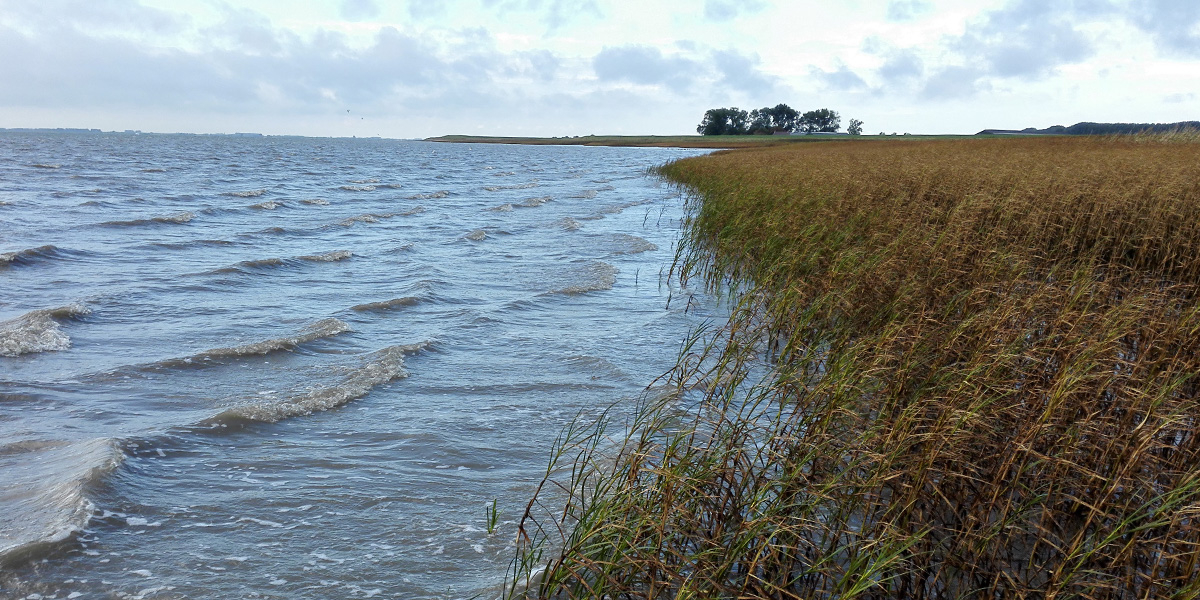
x=302 y=368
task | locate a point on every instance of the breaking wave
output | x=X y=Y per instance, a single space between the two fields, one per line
x=28 y=255
x=246 y=194
x=430 y=196
x=519 y=186
x=375 y=369
x=38 y=330
x=177 y=218
x=316 y=201
x=631 y=244
x=376 y=217
x=261 y=263
x=357 y=188
x=46 y=166
x=392 y=304
x=476 y=236
x=590 y=277
x=267 y=205
x=324 y=328
x=44 y=489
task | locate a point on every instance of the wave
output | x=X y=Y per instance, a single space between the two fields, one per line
x=177 y=218
x=632 y=244
x=246 y=194
x=267 y=205
x=594 y=276
x=430 y=196
x=325 y=328
x=476 y=236
x=392 y=304
x=261 y=263
x=534 y=202
x=375 y=369
x=519 y=186
x=154 y=170
x=20 y=257
x=316 y=201
x=44 y=489
x=569 y=224
x=38 y=330
x=357 y=188
x=506 y=207
x=586 y=194
x=191 y=244
x=369 y=180
x=376 y=217
x=46 y=166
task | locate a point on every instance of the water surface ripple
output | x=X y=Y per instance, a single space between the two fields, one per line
x=301 y=368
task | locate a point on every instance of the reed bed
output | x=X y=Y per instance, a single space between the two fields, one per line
x=954 y=369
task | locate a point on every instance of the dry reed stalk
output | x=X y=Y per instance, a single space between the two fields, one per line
x=981 y=379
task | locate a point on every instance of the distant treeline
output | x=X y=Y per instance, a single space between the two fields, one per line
x=1088 y=128
x=767 y=121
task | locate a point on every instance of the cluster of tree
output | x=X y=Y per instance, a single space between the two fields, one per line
x=768 y=120
x=1087 y=128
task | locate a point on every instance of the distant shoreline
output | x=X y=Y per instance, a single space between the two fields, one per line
x=670 y=141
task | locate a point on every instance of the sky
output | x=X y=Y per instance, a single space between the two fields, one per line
x=418 y=68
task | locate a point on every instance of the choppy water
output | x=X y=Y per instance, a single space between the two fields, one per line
x=301 y=368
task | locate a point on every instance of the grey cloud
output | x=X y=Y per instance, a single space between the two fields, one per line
x=907 y=10
x=644 y=65
x=728 y=10
x=426 y=9
x=1174 y=24
x=1026 y=39
x=842 y=79
x=739 y=72
x=554 y=13
x=902 y=66
x=95 y=17
x=952 y=83
x=360 y=10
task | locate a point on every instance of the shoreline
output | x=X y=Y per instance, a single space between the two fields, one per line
x=681 y=141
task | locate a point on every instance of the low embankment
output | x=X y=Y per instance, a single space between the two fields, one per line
x=965 y=368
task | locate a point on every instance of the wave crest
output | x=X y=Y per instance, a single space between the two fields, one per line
x=38 y=330
x=375 y=369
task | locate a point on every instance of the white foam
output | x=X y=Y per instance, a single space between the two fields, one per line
x=476 y=236
x=245 y=194
x=321 y=329
x=38 y=331
x=375 y=369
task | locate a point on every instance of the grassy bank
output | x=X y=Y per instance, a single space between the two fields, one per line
x=667 y=141
x=965 y=368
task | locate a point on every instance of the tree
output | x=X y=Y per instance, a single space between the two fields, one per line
x=821 y=120
x=768 y=120
x=855 y=127
x=723 y=121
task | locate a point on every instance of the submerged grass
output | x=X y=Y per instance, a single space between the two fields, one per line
x=963 y=368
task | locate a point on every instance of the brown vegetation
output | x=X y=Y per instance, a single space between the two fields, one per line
x=963 y=368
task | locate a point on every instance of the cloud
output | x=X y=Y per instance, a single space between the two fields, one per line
x=728 y=10
x=740 y=73
x=555 y=14
x=645 y=65
x=952 y=83
x=1174 y=24
x=426 y=9
x=902 y=66
x=842 y=79
x=907 y=10
x=1026 y=39
x=360 y=10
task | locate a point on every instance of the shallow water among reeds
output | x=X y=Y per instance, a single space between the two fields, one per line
x=303 y=368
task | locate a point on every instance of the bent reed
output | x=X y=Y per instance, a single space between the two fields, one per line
x=954 y=369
